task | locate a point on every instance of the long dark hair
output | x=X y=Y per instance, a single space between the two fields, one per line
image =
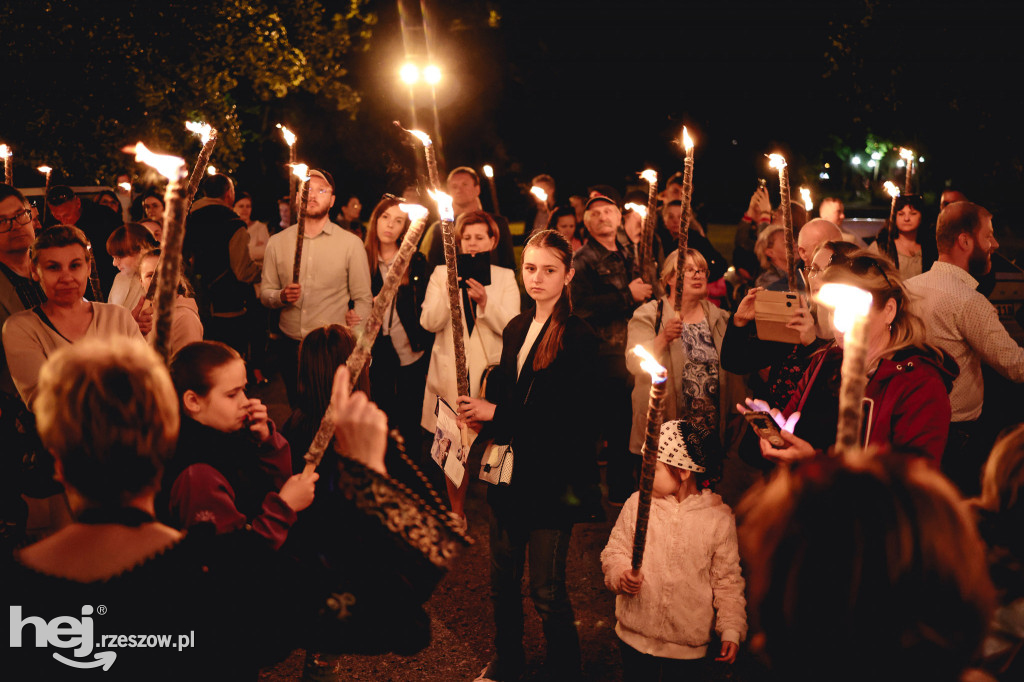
x=320 y=354
x=372 y=241
x=886 y=237
x=551 y=343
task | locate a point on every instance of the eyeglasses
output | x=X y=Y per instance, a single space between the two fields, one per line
x=320 y=192
x=812 y=271
x=695 y=272
x=23 y=217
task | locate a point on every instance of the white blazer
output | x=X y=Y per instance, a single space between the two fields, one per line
x=483 y=347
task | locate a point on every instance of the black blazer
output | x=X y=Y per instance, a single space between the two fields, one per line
x=409 y=300
x=549 y=418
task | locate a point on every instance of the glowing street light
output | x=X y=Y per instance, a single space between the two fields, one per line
x=432 y=74
x=409 y=73
x=855 y=161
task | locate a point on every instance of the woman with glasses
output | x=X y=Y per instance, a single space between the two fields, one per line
x=906 y=400
x=689 y=345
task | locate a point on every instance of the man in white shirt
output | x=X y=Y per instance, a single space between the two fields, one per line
x=333 y=272
x=962 y=322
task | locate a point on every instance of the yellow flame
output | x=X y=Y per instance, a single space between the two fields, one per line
x=650 y=176
x=891 y=189
x=650 y=365
x=906 y=154
x=300 y=170
x=126 y=186
x=210 y=170
x=687 y=140
x=5 y=151
x=805 y=194
x=171 y=167
x=444 y=204
x=777 y=161
x=203 y=130
x=488 y=170
x=539 y=193
x=849 y=303
x=640 y=209
x=422 y=137
x=45 y=170
x=289 y=136
x=414 y=211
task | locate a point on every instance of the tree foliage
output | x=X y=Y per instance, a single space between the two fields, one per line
x=90 y=77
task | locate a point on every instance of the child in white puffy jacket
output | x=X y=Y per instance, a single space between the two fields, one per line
x=690 y=582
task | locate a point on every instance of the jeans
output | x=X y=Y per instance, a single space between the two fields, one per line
x=548 y=549
x=639 y=667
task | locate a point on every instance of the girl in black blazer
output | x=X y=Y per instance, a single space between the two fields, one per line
x=542 y=395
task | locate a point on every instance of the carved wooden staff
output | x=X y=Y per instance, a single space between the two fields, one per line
x=169 y=266
x=433 y=179
x=444 y=205
x=650 y=221
x=779 y=162
x=45 y=170
x=652 y=435
x=209 y=138
x=301 y=171
x=381 y=304
x=684 y=225
x=8 y=157
x=489 y=174
x=890 y=247
x=94 y=278
x=908 y=156
x=851 y=307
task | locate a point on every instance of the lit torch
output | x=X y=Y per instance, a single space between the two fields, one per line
x=489 y=174
x=8 y=157
x=539 y=194
x=890 y=248
x=208 y=136
x=908 y=156
x=684 y=225
x=126 y=186
x=659 y=375
x=293 y=182
x=211 y=170
x=650 y=219
x=381 y=303
x=45 y=170
x=805 y=196
x=169 y=265
x=851 y=306
x=301 y=173
x=777 y=161
x=428 y=150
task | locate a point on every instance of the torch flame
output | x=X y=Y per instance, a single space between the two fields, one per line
x=300 y=170
x=289 y=136
x=640 y=209
x=203 y=130
x=891 y=189
x=687 y=141
x=171 y=167
x=444 y=204
x=5 y=151
x=45 y=170
x=488 y=171
x=805 y=194
x=650 y=175
x=658 y=373
x=210 y=170
x=414 y=211
x=777 y=161
x=422 y=137
x=906 y=154
x=126 y=186
x=538 y=192
x=847 y=301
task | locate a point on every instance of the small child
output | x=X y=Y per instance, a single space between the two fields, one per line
x=690 y=582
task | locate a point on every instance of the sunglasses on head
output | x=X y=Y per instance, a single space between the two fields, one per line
x=860 y=265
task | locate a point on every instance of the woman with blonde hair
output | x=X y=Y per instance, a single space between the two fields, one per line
x=907 y=395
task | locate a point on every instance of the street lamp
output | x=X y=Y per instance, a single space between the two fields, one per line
x=855 y=161
x=432 y=74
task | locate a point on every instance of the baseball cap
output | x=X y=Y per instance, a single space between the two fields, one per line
x=323 y=175
x=59 y=194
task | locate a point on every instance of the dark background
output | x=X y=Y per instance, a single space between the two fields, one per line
x=591 y=92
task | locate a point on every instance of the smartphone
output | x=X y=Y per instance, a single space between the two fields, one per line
x=764 y=426
x=762 y=183
x=772 y=312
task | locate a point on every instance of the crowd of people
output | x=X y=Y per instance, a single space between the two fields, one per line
x=127 y=476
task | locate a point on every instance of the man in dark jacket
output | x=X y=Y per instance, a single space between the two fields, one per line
x=216 y=249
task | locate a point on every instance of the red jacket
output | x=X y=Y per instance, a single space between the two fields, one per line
x=906 y=402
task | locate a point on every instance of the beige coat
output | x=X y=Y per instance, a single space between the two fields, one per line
x=731 y=387
x=483 y=347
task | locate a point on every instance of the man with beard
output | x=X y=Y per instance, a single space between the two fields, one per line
x=333 y=272
x=605 y=294
x=963 y=323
